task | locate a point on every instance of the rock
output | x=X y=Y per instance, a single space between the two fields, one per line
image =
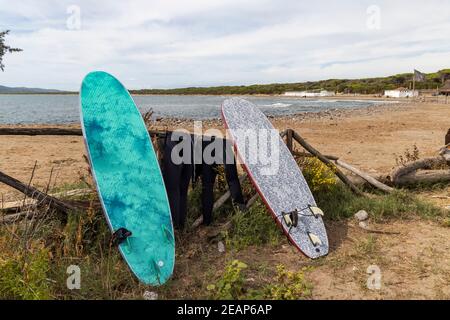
x=150 y=295
x=363 y=225
x=221 y=247
x=362 y=215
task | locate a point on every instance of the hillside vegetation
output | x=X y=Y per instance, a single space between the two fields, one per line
x=361 y=86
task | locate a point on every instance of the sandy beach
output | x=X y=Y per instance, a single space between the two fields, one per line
x=367 y=138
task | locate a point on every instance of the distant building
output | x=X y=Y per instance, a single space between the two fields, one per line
x=401 y=93
x=445 y=90
x=310 y=94
x=428 y=92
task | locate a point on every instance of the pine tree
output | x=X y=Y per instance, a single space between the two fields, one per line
x=4 y=49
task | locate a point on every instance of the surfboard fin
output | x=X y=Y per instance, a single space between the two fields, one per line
x=169 y=236
x=291 y=218
x=157 y=270
x=316 y=211
x=120 y=236
x=314 y=239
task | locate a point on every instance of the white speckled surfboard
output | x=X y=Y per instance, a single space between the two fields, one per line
x=282 y=187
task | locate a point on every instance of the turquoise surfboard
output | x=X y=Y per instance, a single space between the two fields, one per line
x=127 y=176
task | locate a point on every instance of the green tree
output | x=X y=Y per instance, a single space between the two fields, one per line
x=4 y=49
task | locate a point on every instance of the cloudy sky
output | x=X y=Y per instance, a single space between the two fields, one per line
x=179 y=43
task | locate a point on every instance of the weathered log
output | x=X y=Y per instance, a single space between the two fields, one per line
x=427 y=163
x=40 y=132
x=325 y=160
x=289 y=142
x=309 y=155
x=219 y=203
x=252 y=200
x=445 y=153
x=11 y=218
x=374 y=182
x=57 y=132
x=30 y=201
x=34 y=193
x=427 y=176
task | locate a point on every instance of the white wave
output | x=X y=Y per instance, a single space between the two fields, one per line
x=277 y=105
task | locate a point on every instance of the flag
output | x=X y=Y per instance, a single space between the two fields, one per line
x=419 y=76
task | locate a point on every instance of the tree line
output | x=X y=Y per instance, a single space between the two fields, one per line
x=349 y=86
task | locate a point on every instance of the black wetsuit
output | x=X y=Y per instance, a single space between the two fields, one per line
x=176 y=178
x=208 y=173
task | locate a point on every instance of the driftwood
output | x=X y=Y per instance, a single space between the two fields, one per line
x=427 y=176
x=374 y=182
x=309 y=155
x=219 y=203
x=289 y=141
x=326 y=161
x=398 y=175
x=40 y=132
x=252 y=200
x=29 y=201
x=57 y=132
x=364 y=176
x=12 y=218
x=34 y=193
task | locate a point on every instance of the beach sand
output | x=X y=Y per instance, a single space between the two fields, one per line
x=366 y=138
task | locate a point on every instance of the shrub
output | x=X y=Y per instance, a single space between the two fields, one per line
x=231 y=284
x=289 y=285
x=319 y=176
x=253 y=227
x=23 y=274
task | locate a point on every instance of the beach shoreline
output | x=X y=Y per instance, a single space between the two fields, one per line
x=171 y=122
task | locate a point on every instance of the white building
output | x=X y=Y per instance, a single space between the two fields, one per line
x=307 y=94
x=401 y=93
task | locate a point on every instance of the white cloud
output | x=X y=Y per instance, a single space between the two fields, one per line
x=212 y=42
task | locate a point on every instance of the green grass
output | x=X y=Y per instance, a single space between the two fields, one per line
x=23 y=274
x=69 y=186
x=253 y=227
x=339 y=203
